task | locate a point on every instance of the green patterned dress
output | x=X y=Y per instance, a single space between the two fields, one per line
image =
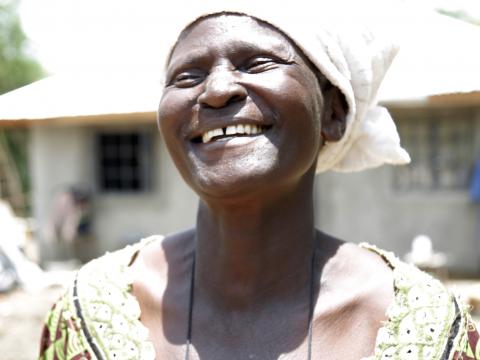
x=98 y=317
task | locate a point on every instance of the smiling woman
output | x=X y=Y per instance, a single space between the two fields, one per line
x=227 y=76
x=250 y=111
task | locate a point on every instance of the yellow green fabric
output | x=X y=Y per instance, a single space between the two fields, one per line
x=425 y=321
x=98 y=317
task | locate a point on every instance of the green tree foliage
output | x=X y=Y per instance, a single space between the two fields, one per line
x=17 y=68
x=461 y=15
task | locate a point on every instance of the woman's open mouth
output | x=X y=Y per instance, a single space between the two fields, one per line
x=231 y=131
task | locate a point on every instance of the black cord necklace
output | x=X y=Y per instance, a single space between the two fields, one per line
x=310 y=311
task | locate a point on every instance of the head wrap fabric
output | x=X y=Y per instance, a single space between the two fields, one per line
x=352 y=51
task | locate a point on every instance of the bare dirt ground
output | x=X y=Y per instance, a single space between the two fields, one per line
x=21 y=317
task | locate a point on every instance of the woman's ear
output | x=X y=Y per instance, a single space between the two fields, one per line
x=334 y=120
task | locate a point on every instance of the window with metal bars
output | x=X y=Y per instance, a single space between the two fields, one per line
x=442 y=150
x=123 y=161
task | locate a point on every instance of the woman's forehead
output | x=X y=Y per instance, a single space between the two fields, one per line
x=229 y=32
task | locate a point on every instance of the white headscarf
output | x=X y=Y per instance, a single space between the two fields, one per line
x=352 y=47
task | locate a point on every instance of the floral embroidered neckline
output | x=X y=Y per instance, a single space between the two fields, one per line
x=419 y=322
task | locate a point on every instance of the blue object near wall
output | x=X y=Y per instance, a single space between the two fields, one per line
x=475 y=183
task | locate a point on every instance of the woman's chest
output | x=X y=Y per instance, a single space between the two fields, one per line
x=347 y=346
x=281 y=336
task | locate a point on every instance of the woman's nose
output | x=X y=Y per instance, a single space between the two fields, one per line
x=221 y=89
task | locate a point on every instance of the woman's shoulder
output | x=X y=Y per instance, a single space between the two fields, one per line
x=363 y=277
x=97 y=316
x=425 y=320
x=113 y=265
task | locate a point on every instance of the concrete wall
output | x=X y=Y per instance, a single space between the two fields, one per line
x=364 y=207
x=63 y=156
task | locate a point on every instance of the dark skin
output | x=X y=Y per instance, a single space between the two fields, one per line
x=255 y=232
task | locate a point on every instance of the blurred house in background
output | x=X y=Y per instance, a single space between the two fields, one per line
x=433 y=93
x=390 y=206
x=96 y=132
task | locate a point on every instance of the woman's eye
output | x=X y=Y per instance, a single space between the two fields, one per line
x=259 y=64
x=186 y=79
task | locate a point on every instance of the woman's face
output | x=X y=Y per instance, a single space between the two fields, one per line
x=241 y=111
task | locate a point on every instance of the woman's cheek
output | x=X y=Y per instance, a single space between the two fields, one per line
x=171 y=111
x=167 y=107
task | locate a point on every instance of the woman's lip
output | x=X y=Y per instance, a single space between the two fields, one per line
x=230 y=142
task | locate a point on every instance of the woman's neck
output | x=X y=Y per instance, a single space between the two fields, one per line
x=251 y=252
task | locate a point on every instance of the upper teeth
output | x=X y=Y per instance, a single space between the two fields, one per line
x=239 y=129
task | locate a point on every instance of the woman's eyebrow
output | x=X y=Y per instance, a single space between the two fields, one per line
x=191 y=58
x=275 y=48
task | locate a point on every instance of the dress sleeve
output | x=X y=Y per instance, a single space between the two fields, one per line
x=62 y=337
x=98 y=317
x=471 y=348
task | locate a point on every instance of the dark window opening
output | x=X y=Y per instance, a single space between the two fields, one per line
x=123 y=159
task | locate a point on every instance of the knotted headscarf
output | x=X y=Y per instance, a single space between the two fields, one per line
x=351 y=46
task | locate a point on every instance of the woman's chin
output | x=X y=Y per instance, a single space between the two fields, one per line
x=243 y=170
x=234 y=181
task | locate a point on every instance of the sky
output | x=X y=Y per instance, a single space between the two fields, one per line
x=66 y=35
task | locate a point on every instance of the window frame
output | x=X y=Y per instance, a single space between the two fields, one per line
x=145 y=158
x=430 y=117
